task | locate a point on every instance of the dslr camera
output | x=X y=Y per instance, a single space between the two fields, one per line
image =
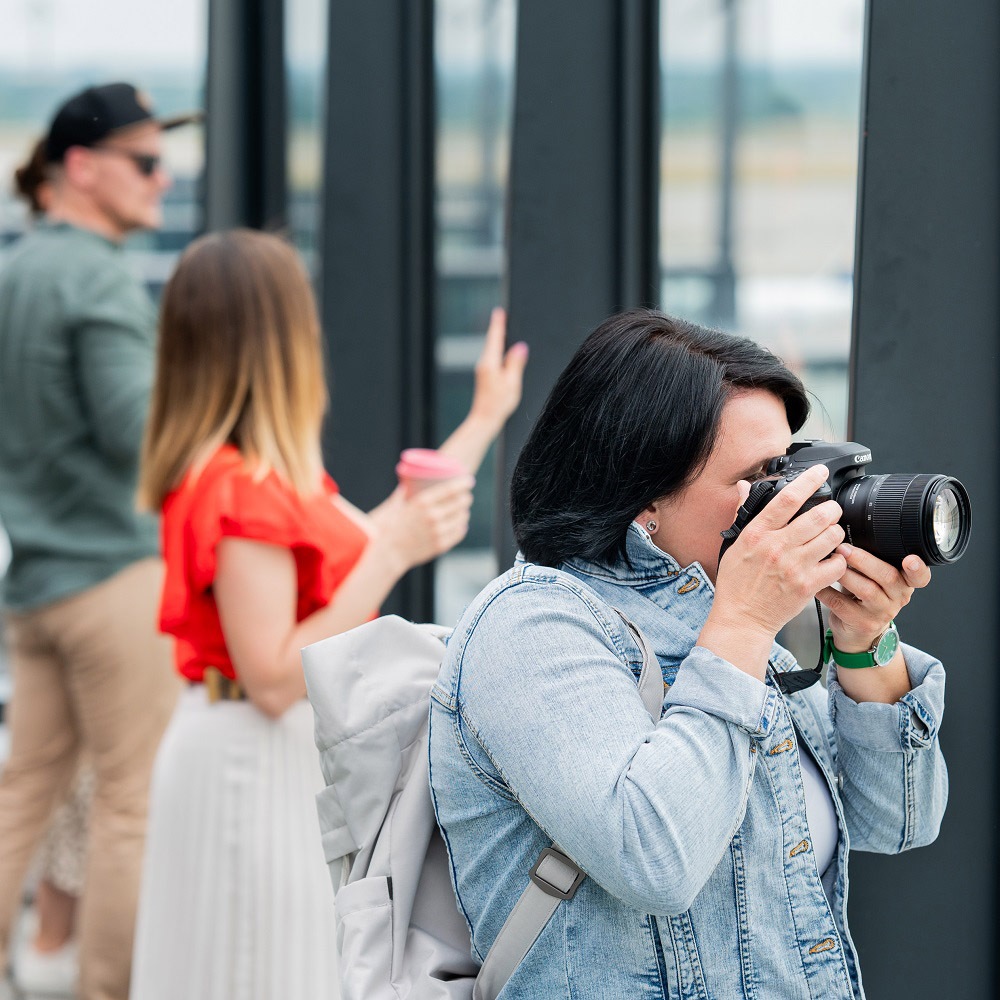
x=891 y=516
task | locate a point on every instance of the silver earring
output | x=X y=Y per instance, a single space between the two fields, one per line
x=651 y=526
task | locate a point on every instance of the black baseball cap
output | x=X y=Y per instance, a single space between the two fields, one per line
x=95 y=113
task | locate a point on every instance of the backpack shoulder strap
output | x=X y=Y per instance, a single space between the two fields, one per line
x=651 y=676
x=555 y=876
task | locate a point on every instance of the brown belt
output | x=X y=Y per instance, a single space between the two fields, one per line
x=219 y=687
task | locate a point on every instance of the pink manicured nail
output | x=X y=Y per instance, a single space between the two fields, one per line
x=844 y=549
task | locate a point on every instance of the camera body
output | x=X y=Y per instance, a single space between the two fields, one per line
x=891 y=515
x=844 y=459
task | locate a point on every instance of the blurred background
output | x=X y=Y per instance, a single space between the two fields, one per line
x=757 y=168
x=433 y=159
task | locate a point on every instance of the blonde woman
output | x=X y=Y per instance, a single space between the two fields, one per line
x=263 y=557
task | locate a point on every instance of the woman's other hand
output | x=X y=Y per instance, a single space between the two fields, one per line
x=499 y=375
x=255 y=587
x=413 y=530
x=873 y=593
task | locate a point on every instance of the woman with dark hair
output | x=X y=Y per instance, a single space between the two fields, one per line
x=703 y=853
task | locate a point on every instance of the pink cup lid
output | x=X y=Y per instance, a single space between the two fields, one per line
x=425 y=463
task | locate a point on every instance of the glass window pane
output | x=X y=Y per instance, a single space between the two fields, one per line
x=759 y=176
x=305 y=61
x=474 y=69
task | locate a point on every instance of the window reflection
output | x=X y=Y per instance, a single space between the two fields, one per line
x=474 y=68
x=761 y=103
x=305 y=63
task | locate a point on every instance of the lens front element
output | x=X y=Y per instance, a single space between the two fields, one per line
x=946 y=520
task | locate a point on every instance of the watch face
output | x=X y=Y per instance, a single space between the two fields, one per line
x=887 y=647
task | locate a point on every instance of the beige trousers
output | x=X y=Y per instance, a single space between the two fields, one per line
x=91 y=673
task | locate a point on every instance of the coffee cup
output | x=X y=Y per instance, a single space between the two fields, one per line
x=419 y=468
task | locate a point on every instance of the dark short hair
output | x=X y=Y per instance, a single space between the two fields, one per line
x=630 y=421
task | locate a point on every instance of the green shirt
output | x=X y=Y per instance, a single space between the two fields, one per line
x=77 y=351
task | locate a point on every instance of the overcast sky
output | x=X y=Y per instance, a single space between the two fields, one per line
x=42 y=35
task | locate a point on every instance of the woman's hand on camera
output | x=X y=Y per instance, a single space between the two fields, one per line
x=778 y=564
x=499 y=375
x=775 y=567
x=873 y=593
x=416 y=529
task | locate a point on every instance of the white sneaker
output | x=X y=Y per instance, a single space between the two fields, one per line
x=47 y=973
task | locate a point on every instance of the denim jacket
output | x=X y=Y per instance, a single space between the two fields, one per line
x=701 y=881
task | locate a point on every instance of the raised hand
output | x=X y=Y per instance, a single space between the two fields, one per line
x=499 y=375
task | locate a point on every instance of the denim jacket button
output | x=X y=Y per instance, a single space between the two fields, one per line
x=828 y=944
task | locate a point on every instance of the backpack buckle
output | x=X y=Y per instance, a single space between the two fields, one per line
x=553 y=870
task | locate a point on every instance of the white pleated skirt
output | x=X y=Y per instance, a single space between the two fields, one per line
x=236 y=900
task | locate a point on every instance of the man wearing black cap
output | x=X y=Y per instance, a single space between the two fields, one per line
x=104 y=145
x=76 y=366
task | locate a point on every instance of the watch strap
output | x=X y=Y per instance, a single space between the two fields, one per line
x=852 y=661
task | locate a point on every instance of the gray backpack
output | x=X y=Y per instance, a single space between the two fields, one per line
x=400 y=935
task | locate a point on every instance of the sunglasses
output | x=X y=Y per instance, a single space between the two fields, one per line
x=147 y=164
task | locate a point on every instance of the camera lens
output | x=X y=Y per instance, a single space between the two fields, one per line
x=896 y=515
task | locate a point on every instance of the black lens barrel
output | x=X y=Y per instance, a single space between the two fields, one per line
x=892 y=516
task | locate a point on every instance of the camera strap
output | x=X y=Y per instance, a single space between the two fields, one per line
x=791 y=681
x=794 y=680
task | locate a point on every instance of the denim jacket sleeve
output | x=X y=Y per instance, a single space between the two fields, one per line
x=894 y=778
x=645 y=809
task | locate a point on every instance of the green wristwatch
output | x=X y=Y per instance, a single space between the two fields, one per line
x=881 y=651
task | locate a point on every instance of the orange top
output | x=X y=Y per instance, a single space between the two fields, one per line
x=225 y=500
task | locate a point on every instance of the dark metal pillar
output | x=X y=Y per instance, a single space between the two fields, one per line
x=377 y=251
x=724 y=285
x=245 y=130
x=583 y=189
x=925 y=384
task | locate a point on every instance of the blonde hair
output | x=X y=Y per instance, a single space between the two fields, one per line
x=239 y=360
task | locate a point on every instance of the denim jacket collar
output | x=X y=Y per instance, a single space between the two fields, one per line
x=687 y=592
x=647 y=564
